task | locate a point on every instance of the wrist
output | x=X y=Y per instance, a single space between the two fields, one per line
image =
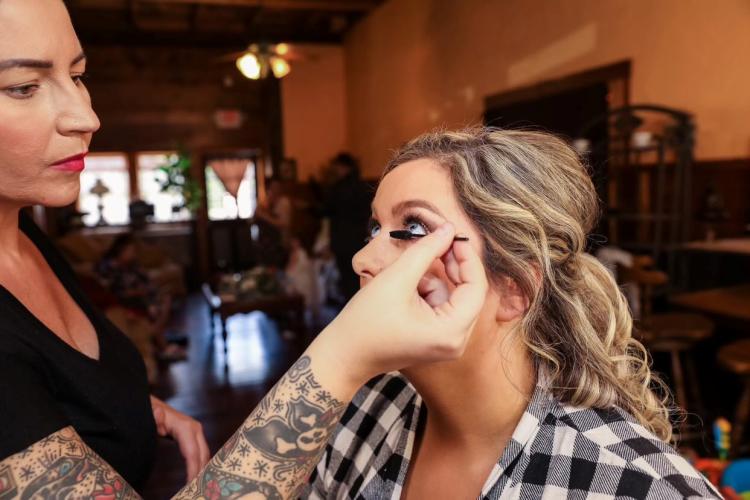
x=336 y=365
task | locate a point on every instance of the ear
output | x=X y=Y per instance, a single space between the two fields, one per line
x=511 y=303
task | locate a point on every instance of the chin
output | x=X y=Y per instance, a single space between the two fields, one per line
x=60 y=195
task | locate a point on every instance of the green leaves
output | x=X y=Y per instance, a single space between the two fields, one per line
x=178 y=179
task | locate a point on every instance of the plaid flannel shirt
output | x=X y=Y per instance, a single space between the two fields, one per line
x=556 y=451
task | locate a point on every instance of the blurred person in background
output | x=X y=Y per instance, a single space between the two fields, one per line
x=347 y=206
x=121 y=274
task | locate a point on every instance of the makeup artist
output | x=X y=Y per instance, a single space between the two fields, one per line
x=76 y=419
x=67 y=375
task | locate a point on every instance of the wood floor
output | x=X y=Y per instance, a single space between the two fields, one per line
x=219 y=395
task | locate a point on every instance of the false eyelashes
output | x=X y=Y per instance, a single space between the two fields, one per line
x=416 y=228
x=404 y=235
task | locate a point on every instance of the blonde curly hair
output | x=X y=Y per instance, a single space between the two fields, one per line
x=533 y=201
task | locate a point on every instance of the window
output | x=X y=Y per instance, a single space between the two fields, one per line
x=222 y=205
x=110 y=170
x=150 y=179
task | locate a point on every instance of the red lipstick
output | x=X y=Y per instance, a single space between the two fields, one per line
x=71 y=164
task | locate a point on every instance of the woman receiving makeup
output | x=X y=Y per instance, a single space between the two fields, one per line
x=485 y=354
x=550 y=396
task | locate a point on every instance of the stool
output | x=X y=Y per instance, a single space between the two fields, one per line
x=677 y=334
x=735 y=357
x=673 y=333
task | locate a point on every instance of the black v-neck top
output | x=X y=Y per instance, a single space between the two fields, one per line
x=46 y=385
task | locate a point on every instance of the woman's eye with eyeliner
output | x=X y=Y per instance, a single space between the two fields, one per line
x=416 y=227
x=373 y=229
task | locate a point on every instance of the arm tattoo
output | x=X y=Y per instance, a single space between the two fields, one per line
x=276 y=448
x=61 y=466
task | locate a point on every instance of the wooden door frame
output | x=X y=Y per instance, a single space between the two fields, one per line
x=200 y=158
x=613 y=74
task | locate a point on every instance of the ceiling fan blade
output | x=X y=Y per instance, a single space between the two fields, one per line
x=232 y=56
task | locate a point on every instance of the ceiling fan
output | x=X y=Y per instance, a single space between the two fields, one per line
x=261 y=60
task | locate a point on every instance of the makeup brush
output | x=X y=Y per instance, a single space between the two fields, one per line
x=403 y=234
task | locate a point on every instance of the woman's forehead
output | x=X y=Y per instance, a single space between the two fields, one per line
x=423 y=179
x=36 y=29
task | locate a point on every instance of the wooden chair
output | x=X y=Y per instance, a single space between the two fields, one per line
x=735 y=357
x=673 y=333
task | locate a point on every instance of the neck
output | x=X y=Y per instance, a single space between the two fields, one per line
x=479 y=399
x=10 y=235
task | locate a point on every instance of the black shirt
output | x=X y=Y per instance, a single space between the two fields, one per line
x=46 y=385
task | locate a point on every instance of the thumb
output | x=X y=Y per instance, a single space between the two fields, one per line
x=409 y=268
x=159 y=418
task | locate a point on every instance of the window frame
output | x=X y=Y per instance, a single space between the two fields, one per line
x=128 y=170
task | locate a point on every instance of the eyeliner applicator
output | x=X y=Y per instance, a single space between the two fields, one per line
x=405 y=235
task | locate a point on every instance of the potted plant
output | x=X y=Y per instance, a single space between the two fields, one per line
x=178 y=179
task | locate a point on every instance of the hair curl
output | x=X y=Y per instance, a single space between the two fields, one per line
x=534 y=202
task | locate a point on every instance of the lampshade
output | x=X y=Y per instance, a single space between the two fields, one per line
x=230 y=172
x=249 y=66
x=99 y=188
x=279 y=67
x=282 y=49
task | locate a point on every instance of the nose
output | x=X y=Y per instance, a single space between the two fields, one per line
x=378 y=254
x=76 y=115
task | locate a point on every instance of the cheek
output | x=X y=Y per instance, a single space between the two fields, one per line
x=25 y=130
x=24 y=143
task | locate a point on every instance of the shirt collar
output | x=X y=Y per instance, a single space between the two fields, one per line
x=540 y=405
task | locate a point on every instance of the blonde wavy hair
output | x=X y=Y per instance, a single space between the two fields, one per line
x=533 y=201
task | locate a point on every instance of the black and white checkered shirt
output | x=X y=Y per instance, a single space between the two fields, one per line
x=556 y=451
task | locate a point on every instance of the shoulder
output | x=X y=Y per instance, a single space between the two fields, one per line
x=384 y=393
x=381 y=402
x=30 y=408
x=609 y=447
x=369 y=433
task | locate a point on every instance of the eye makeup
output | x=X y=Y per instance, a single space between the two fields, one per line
x=406 y=235
x=415 y=229
x=373 y=229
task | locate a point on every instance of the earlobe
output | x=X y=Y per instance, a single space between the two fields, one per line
x=512 y=303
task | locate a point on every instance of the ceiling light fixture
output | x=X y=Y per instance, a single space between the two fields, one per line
x=249 y=66
x=258 y=61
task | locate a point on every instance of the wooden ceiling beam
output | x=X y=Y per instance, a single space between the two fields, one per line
x=123 y=38
x=320 y=5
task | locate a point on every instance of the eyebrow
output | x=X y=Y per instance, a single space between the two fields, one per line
x=404 y=205
x=35 y=63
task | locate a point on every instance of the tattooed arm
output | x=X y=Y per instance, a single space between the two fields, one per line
x=272 y=454
x=61 y=466
x=386 y=326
